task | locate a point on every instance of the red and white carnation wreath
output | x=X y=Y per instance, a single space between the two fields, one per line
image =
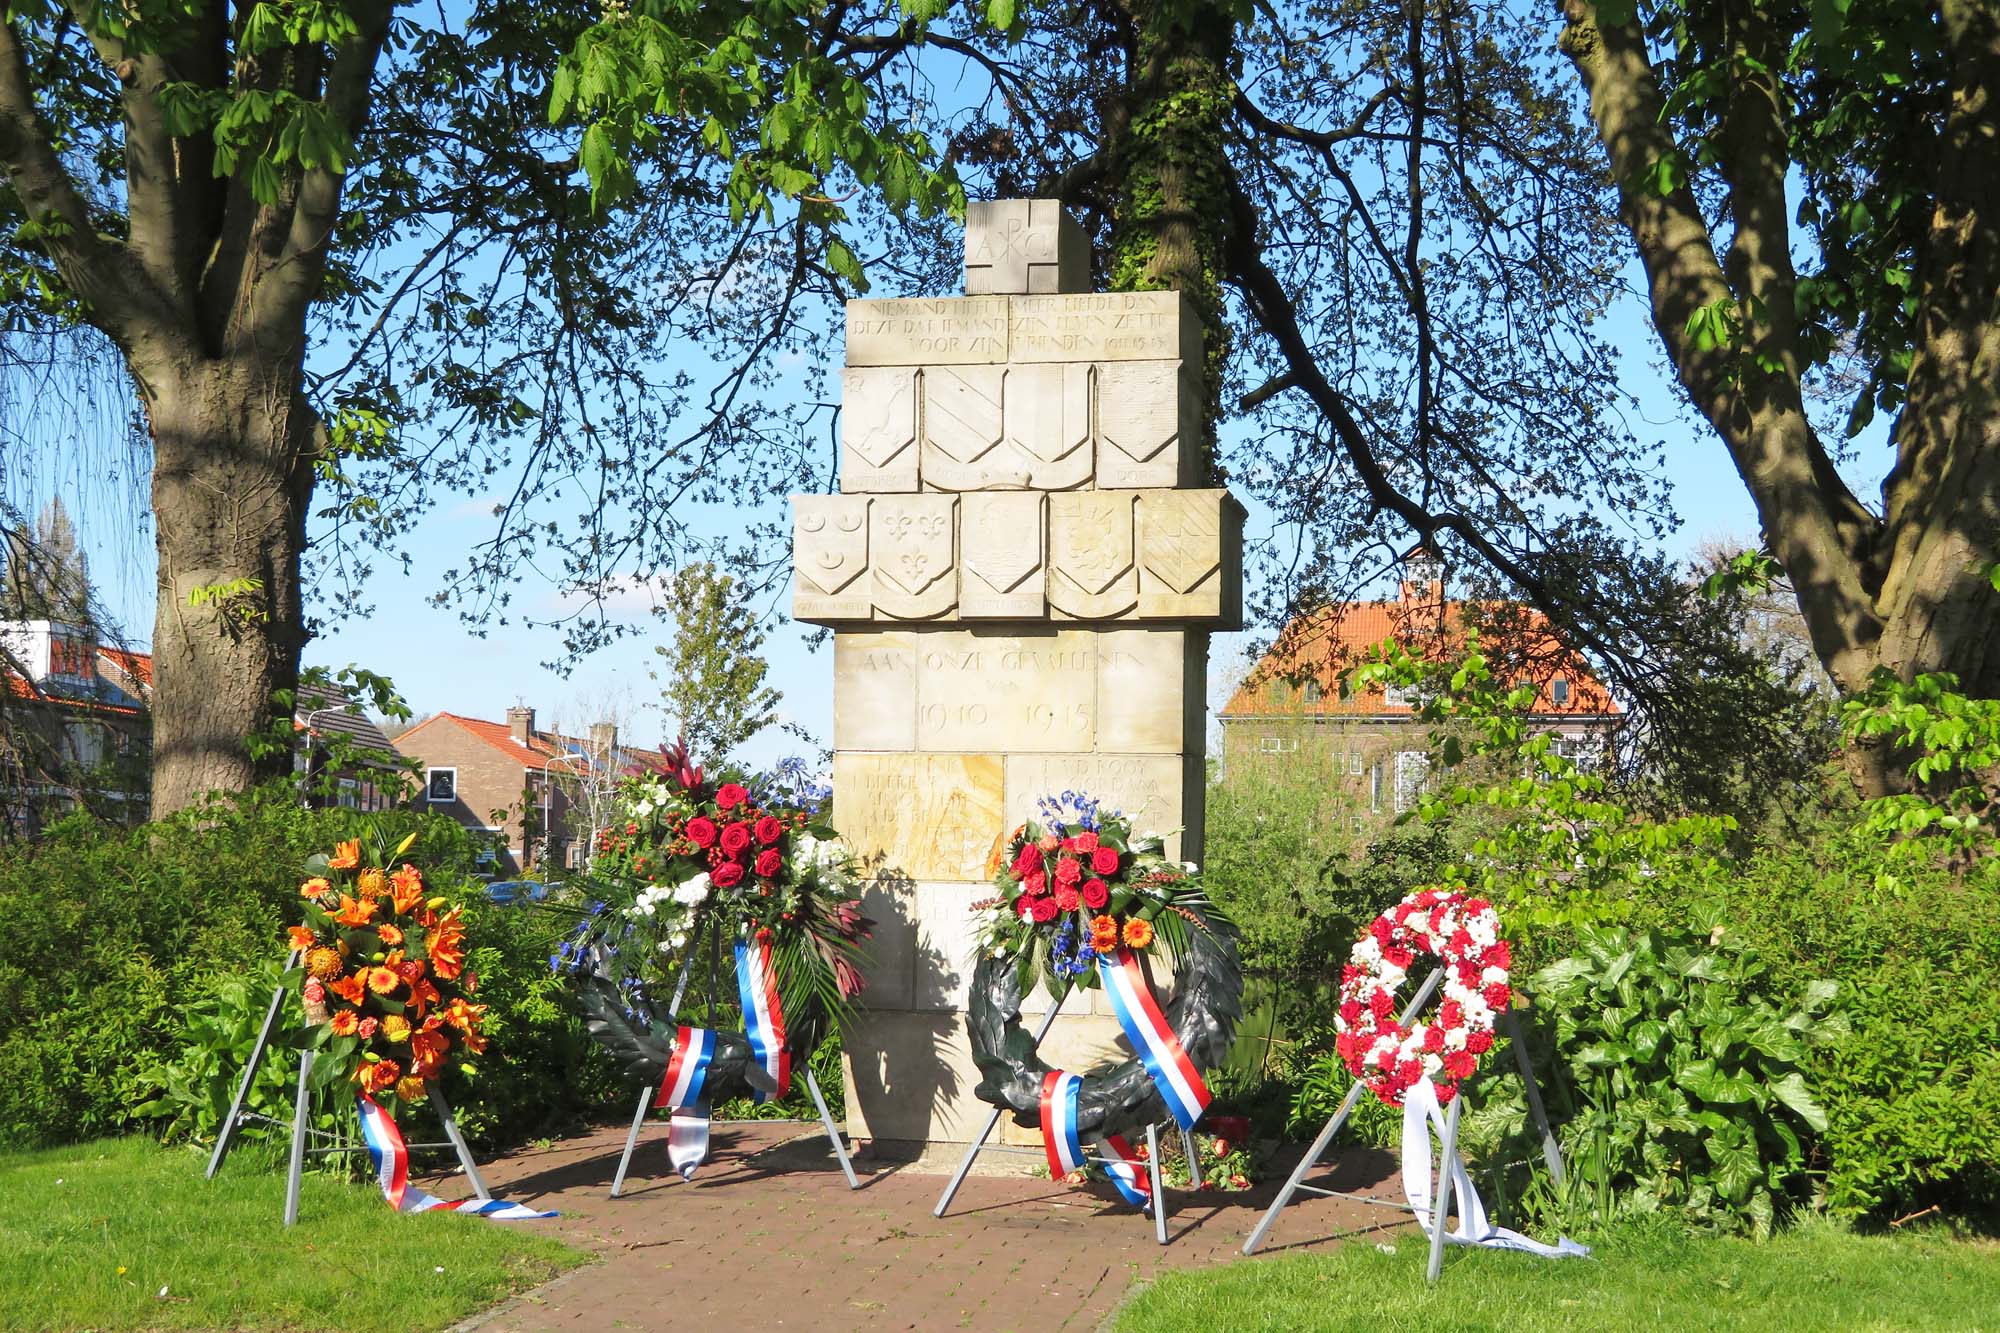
x=1463 y=932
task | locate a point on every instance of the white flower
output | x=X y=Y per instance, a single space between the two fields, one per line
x=1433 y=1065
x=675 y=940
x=666 y=946
x=1191 y=867
x=1493 y=976
x=694 y=892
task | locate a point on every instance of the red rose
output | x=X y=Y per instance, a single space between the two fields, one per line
x=769 y=829
x=770 y=861
x=1104 y=861
x=1068 y=871
x=1381 y=930
x=1035 y=885
x=1086 y=841
x=730 y=795
x=1094 y=894
x=727 y=875
x=735 y=837
x=1497 y=995
x=1069 y=844
x=700 y=831
x=1398 y=956
x=1066 y=899
x=1025 y=906
x=1044 y=910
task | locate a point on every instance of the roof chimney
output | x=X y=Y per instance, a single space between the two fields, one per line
x=603 y=737
x=521 y=723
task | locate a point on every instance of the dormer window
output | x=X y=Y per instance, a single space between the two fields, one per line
x=1559 y=692
x=1311 y=694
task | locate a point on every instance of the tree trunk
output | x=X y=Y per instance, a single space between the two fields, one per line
x=233 y=446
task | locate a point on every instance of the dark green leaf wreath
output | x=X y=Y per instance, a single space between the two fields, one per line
x=1207 y=1006
x=642 y=1040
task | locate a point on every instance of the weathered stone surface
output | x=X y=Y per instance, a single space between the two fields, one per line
x=948 y=331
x=878 y=429
x=874 y=690
x=920 y=816
x=1024 y=245
x=1092 y=573
x=979 y=690
x=914 y=552
x=910 y=1076
x=945 y=948
x=1151 y=789
x=1105 y=326
x=1150 y=685
x=1000 y=555
x=830 y=558
x=1148 y=424
x=891 y=948
x=1048 y=423
x=1190 y=549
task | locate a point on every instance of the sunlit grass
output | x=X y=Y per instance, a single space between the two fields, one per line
x=1641 y=1278
x=124 y=1234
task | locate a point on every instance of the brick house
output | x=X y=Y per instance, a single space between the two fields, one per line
x=1291 y=708
x=527 y=788
x=331 y=727
x=74 y=730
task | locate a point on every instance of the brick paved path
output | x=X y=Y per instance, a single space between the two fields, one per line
x=768 y=1235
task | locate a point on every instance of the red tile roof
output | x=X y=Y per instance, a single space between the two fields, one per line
x=1324 y=646
x=495 y=734
x=139 y=666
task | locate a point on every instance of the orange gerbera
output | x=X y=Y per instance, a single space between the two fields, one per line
x=463 y=1016
x=372 y=883
x=382 y=980
x=303 y=939
x=323 y=963
x=409 y=887
x=410 y=1088
x=379 y=1074
x=427 y=1050
x=346 y=855
x=353 y=913
x=445 y=943
x=348 y=988
x=1138 y=933
x=314 y=887
x=391 y=935
x=345 y=1022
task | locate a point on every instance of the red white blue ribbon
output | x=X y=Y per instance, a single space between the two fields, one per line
x=763 y=1017
x=684 y=1092
x=1059 y=1136
x=392 y=1168
x=1179 y=1082
x=1064 y=1144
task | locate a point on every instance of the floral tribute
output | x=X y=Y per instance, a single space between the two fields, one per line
x=1463 y=933
x=751 y=853
x=1075 y=885
x=387 y=994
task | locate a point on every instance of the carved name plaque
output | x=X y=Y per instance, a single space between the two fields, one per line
x=924 y=816
x=1189 y=546
x=978 y=691
x=878 y=429
x=1024 y=245
x=1114 y=326
x=1000 y=555
x=915 y=555
x=1091 y=571
x=1148 y=424
x=954 y=331
x=829 y=557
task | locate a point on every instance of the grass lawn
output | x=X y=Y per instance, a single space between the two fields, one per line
x=125 y=1234
x=1817 y=1277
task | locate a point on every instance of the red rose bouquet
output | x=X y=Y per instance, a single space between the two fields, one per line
x=383 y=974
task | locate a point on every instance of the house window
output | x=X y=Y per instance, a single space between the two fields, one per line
x=1413 y=771
x=1354 y=764
x=1277 y=744
x=1559 y=692
x=1311 y=694
x=441 y=785
x=1375 y=786
x=349 y=794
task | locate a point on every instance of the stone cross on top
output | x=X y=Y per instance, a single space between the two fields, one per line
x=1022 y=247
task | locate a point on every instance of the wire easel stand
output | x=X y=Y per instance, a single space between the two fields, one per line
x=301 y=1112
x=1447 y=1157
x=1158 y=1193
x=706 y=927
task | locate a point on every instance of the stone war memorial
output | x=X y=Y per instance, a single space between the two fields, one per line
x=1021 y=571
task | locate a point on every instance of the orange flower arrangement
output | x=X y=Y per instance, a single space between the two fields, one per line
x=384 y=972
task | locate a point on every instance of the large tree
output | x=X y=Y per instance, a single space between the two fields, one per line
x=1814 y=191
x=218 y=192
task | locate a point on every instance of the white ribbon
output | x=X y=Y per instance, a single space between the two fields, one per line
x=1421 y=1111
x=687 y=1138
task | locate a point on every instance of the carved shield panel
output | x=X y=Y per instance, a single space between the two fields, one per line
x=878 y=429
x=914 y=555
x=1048 y=410
x=829 y=558
x=1182 y=537
x=1091 y=569
x=962 y=410
x=1000 y=549
x=1148 y=423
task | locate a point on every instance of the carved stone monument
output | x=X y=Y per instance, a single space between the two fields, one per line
x=1021 y=572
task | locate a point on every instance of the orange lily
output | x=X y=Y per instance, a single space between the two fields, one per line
x=445 y=943
x=422 y=996
x=463 y=1016
x=427 y=1051
x=346 y=855
x=353 y=912
x=408 y=887
x=348 y=988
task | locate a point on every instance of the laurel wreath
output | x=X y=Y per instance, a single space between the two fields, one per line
x=642 y=1038
x=1204 y=1012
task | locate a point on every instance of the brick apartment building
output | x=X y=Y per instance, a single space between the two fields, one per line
x=74 y=730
